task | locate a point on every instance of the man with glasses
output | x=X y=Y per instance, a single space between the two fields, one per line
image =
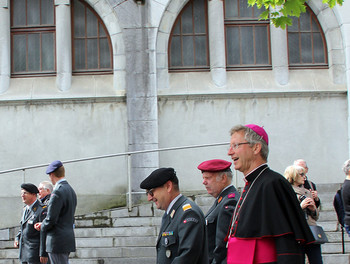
x=182 y=236
x=30 y=242
x=268 y=224
x=309 y=185
x=217 y=179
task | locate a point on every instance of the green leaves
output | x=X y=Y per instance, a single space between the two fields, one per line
x=281 y=11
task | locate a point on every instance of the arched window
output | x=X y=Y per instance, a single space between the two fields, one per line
x=306 y=42
x=188 y=43
x=247 y=37
x=91 y=43
x=32 y=37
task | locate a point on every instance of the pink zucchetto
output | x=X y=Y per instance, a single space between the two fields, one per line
x=260 y=131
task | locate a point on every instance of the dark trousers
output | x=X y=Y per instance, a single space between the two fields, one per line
x=59 y=258
x=313 y=253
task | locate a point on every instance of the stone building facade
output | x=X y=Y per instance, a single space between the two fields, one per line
x=157 y=85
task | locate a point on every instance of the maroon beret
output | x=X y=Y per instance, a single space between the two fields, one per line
x=214 y=165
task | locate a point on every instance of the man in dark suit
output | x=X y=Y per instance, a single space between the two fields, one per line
x=217 y=179
x=59 y=222
x=182 y=237
x=30 y=242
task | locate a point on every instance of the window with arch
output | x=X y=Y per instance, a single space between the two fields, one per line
x=91 y=42
x=188 y=42
x=306 y=42
x=33 y=37
x=247 y=37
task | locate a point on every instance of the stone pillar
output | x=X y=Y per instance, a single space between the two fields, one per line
x=63 y=45
x=279 y=54
x=141 y=92
x=5 y=46
x=217 y=42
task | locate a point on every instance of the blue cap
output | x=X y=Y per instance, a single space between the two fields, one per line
x=53 y=166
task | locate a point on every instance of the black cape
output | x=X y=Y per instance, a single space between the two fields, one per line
x=271 y=209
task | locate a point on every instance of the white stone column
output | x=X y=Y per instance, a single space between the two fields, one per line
x=63 y=45
x=279 y=54
x=217 y=42
x=5 y=46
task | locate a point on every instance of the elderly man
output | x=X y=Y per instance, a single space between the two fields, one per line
x=217 y=179
x=182 y=236
x=45 y=189
x=31 y=243
x=309 y=185
x=268 y=224
x=60 y=216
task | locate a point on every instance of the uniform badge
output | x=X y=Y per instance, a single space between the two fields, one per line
x=168 y=253
x=220 y=199
x=231 y=195
x=172 y=213
x=186 y=207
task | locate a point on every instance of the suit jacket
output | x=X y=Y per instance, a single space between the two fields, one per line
x=218 y=220
x=32 y=242
x=182 y=237
x=60 y=219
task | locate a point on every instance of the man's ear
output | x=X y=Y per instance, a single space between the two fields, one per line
x=257 y=148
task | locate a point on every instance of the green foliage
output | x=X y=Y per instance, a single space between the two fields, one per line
x=283 y=10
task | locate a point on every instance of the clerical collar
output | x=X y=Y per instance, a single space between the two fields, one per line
x=173 y=202
x=254 y=173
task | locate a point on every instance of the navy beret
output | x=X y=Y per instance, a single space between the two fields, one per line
x=158 y=178
x=53 y=166
x=29 y=187
x=214 y=165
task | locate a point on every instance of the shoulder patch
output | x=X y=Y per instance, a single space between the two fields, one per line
x=191 y=219
x=231 y=195
x=186 y=207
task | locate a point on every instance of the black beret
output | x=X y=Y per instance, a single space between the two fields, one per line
x=158 y=178
x=29 y=187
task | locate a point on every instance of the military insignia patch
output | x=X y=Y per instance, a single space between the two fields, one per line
x=191 y=219
x=231 y=195
x=220 y=199
x=186 y=207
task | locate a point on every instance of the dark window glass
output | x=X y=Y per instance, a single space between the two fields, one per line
x=188 y=43
x=33 y=37
x=92 y=50
x=247 y=37
x=306 y=42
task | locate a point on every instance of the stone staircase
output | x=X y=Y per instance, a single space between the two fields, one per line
x=121 y=237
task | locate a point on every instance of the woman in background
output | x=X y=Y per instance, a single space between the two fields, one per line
x=295 y=175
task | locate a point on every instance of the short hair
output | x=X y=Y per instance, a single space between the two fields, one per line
x=298 y=161
x=346 y=167
x=253 y=138
x=175 y=182
x=291 y=173
x=47 y=185
x=228 y=173
x=60 y=172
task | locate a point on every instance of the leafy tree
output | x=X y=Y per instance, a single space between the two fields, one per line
x=283 y=10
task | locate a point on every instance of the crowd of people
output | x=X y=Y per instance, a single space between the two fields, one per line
x=268 y=222
x=46 y=232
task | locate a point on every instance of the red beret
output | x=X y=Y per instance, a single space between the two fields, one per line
x=214 y=165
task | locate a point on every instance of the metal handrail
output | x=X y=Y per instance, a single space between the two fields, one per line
x=114 y=155
x=128 y=154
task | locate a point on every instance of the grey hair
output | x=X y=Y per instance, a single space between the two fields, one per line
x=346 y=167
x=253 y=138
x=228 y=173
x=47 y=185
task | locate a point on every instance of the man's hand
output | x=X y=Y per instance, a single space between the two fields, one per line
x=37 y=226
x=15 y=244
x=44 y=260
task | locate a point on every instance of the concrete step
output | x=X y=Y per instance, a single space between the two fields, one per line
x=336 y=258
